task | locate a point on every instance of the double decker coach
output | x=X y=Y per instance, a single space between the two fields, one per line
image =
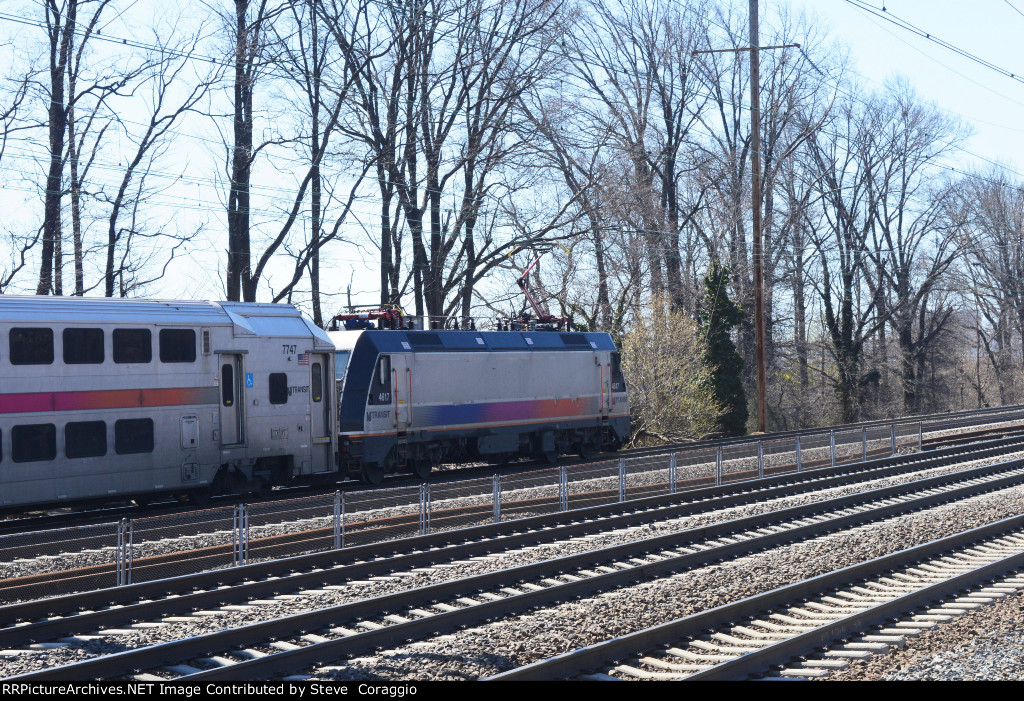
x=104 y=398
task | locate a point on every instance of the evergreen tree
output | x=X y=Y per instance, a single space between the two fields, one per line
x=717 y=317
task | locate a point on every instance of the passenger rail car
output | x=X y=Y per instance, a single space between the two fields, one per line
x=100 y=398
x=410 y=400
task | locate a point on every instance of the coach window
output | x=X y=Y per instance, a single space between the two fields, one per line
x=177 y=346
x=133 y=436
x=83 y=346
x=133 y=346
x=31 y=346
x=85 y=439
x=34 y=442
x=318 y=383
x=278 y=388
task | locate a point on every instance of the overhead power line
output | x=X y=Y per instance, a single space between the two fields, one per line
x=884 y=14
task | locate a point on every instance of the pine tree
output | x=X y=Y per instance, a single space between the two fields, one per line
x=717 y=317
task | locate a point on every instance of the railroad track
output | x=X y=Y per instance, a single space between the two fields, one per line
x=275 y=647
x=214 y=557
x=843 y=615
x=930 y=423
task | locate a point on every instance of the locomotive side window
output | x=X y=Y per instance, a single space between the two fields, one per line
x=380 y=387
x=83 y=346
x=278 y=388
x=227 y=384
x=133 y=346
x=31 y=346
x=85 y=439
x=34 y=442
x=318 y=383
x=177 y=346
x=133 y=436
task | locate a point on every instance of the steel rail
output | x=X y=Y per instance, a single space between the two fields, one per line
x=158 y=655
x=424 y=550
x=939 y=421
x=599 y=654
x=419 y=551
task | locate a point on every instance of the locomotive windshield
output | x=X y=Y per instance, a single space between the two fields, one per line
x=340 y=367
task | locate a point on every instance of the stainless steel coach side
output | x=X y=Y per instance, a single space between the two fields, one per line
x=108 y=398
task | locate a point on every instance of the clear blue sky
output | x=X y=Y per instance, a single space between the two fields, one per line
x=992 y=104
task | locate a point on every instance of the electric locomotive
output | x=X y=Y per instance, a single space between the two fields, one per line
x=410 y=400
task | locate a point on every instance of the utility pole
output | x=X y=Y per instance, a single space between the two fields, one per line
x=755 y=177
x=755 y=167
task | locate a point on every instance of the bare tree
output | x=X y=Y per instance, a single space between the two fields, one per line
x=913 y=242
x=170 y=66
x=63 y=28
x=843 y=153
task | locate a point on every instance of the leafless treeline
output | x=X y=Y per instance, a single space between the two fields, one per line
x=455 y=141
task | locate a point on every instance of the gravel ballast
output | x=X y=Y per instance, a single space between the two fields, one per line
x=488 y=649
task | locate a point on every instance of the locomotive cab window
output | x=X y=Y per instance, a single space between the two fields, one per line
x=278 y=388
x=340 y=367
x=83 y=346
x=618 y=380
x=34 y=442
x=31 y=346
x=85 y=439
x=177 y=346
x=380 y=387
x=133 y=346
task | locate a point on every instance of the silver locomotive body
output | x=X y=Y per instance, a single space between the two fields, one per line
x=410 y=400
x=101 y=398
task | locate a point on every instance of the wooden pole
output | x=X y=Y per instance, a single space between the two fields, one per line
x=755 y=161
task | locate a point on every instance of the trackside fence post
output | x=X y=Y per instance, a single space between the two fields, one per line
x=563 y=489
x=424 y=509
x=718 y=466
x=119 y=576
x=497 y=499
x=760 y=459
x=672 y=474
x=241 y=535
x=337 y=520
x=892 y=437
x=799 y=459
x=920 y=435
x=622 y=480
x=832 y=445
x=124 y=552
x=864 y=444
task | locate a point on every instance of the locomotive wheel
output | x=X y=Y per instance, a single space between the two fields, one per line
x=549 y=456
x=199 y=497
x=372 y=474
x=586 y=449
x=421 y=468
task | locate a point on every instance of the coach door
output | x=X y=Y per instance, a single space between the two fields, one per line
x=232 y=400
x=320 y=382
